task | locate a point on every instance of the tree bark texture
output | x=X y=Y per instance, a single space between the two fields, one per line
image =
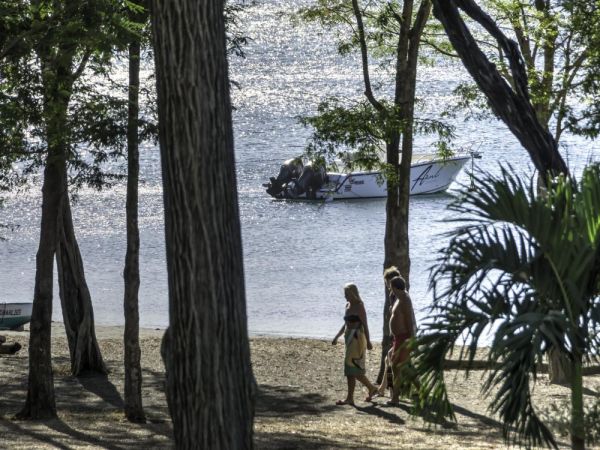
x=209 y=382
x=76 y=301
x=512 y=106
x=131 y=274
x=40 y=402
x=560 y=367
x=396 y=240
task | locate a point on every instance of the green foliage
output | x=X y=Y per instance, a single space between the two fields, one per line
x=471 y=103
x=586 y=20
x=57 y=55
x=525 y=267
x=382 y=19
x=444 y=150
x=236 y=38
x=557 y=52
x=357 y=134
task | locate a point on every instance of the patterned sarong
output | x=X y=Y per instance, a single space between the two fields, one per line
x=356 y=349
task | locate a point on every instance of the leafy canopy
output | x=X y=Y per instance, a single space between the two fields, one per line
x=357 y=132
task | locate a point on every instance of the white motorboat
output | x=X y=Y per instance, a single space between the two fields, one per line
x=14 y=315
x=428 y=175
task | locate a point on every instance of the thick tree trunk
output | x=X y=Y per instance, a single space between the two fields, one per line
x=131 y=274
x=210 y=387
x=76 y=302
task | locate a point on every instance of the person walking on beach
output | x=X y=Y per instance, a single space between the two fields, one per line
x=402 y=327
x=357 y=340
x=388 y=274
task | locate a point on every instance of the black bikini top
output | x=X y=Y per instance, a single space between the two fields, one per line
x=352 y=318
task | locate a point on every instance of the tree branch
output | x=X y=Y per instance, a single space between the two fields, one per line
x=82 y=64
x=438 y=49
x=365 y=58
x=512 y=106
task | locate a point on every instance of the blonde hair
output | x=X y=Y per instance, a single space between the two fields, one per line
x=351 y=292
x=391 y=272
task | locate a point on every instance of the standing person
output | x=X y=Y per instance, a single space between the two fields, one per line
x=388 y=274
x=357 y=340
x=403 y=327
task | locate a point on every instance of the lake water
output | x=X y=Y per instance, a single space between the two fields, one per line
x=297 y=255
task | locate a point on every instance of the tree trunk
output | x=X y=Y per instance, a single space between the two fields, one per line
x=76 y=302
x=131 y=274
x=560 y=368
x=577 y=416
x=40 y=402
x=209 y=382
x=393 y=254
x=396 y=241
x=513 y=107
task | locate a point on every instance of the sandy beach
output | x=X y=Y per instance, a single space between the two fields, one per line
x=299 y=381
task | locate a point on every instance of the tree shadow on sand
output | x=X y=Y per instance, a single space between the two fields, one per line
x=299 y=441
x=280 y=401
x=102 y=387
x=58 y=434
x=90 y=410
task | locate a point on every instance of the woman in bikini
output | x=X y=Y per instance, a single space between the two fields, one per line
x=356 y=337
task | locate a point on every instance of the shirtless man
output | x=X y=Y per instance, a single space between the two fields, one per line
x=402 y=327
x=388 y=275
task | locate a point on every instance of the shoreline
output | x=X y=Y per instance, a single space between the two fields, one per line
x=299 y=380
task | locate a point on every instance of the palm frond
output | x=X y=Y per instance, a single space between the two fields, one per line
x=525 y=267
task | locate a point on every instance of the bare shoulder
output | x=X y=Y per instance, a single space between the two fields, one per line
x=405 y=300
x=403 y=297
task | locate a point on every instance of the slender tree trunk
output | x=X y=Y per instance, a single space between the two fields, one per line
x=76 y=302
x=393 y=253
x=40 y=402
x=131 y=274
x=209 y=382
x=396 y=241
x=577 y=417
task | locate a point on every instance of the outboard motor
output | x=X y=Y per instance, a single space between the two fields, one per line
x=309 y=182
x=289 y=170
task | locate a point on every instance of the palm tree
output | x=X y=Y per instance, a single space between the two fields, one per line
x=527 y=268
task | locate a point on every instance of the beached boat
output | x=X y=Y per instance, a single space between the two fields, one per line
x=14 y=315
x=428 y=175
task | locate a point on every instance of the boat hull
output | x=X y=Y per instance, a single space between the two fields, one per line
x=425 y=178
x=14 y=315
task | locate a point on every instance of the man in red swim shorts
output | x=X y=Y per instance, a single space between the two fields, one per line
x=402 y=327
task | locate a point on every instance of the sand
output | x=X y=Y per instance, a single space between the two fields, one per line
x=299 y=381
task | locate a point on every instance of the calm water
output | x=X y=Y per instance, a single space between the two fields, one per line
x=297 y=256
